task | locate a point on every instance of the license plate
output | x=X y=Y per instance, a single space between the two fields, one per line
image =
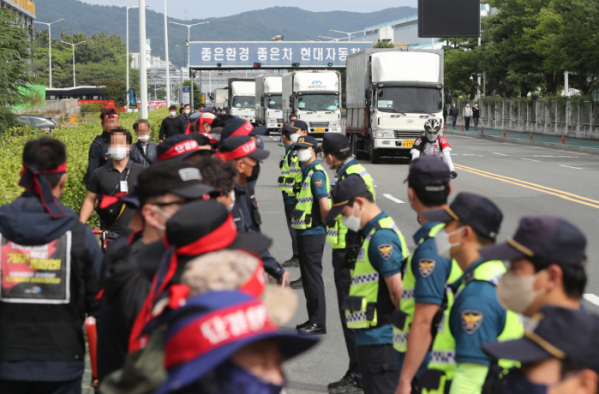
x=407 y=144
x=319 y=130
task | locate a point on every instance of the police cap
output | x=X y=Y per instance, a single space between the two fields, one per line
x=300 y=124
x=307 y=142
x=426 y=170
x=343 y=192
x=476 y=211
x=335 y=143
x=548 y=237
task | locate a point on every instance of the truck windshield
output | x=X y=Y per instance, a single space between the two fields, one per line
x=275 y=102
x=244 y=102
x=319 y=102
x=409 y=100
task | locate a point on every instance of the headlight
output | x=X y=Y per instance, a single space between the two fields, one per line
x=384 y=134
x=334 y=124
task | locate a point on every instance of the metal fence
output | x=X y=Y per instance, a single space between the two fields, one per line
x=539 y=117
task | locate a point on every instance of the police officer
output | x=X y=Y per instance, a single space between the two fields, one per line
x=337 y=154
x=547 y=265
x=98 y=151
x=375 y=282
x=474 y=315
x=291 y=173
x=425 y=273
x=558 y=354
x=307 y=218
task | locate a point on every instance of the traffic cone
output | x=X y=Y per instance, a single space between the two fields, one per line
x=445 y=126
x=462 y=128
x=531 y=135
x=504 y=133
x=481 y=131
x=563 y=139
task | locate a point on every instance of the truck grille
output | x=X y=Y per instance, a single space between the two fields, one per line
x=279 y=120
x=407 y=134
x=319 y=124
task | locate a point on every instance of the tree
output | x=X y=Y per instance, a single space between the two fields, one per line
x=196 y=92
x=114 y=90
x=383 y=44
x=14 y=73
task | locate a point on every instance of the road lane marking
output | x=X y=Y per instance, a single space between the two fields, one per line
x=576 y=168
x=532 y=186
x=470 y=154
x=500 y=154
x=390 y=197
x=592 y=298
x=538 y=161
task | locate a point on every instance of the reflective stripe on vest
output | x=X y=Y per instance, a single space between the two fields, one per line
x=301 y=217
x=336 y=237
x=444 y=346
x=408 y=303
x=290 y=173
x=365 y=279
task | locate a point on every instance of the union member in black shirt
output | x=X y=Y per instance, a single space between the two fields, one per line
x=172 y=125
x=116 y=176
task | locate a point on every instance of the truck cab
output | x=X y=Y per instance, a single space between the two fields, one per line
x=315 y=97
x=269 y=102
x=241 y=99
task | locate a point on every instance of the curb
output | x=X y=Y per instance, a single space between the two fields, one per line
x=571 y=148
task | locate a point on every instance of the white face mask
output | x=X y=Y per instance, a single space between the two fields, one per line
x=443 y=244
x=432 y=137
x=173 y=113
x=304 y=155
x=230 y=207
x=187 y=112
x=352 y=222
x=516 y=292
x=144 y=138
x=118 y=153
x=294 y=138
x=165 y=214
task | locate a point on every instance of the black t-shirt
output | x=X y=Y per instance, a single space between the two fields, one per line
x=106 y=180
x=171 y=127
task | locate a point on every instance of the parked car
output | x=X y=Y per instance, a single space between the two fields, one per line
x=40 y=122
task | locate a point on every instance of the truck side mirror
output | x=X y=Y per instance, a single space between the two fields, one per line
x=291 y=101
x=262 y=100
x=343 y=101
x=368 y=93
x=367 y=103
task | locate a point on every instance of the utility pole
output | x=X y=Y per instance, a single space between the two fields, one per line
x=143 y=76
x=168 y=80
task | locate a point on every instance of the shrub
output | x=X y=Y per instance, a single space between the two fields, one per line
x=91 y=107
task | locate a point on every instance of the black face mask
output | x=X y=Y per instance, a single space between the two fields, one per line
x=255 y=173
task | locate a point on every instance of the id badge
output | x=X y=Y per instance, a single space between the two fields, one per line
x=124 y=187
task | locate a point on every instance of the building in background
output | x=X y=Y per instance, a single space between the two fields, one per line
x=25 y=9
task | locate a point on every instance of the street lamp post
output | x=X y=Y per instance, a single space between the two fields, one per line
x=348 y=34
x=168 y=80
x=143 y=76
x=188 y=28
x=50 y=45
x=128 y=65
x=331 y=38
x=73 y=45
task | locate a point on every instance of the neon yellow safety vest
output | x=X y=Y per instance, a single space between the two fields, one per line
x=336 y=234
x=364 y=290
x=301 y=217
x=291 y=173
x=408 y=304
x=443 y=352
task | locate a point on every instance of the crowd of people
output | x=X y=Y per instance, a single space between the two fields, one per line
x=179 y=301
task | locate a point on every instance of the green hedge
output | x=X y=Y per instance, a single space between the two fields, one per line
x=78 y=140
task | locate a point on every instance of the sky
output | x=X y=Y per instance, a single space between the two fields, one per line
x=201 y=9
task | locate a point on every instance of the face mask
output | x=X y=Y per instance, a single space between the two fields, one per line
x=352 y=222
x=230 y=207
x=231 y=378
x=443 y=244
x=165 y=214
x=187 y=112
x=516 y=292
x=255 y=173
x=118 y=153
x=173 y=113
x=518 y=383
x=294 y=138
x=431 y=137
x=144 y=138
x=304 y=155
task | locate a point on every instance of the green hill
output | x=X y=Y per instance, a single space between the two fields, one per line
x=293 y=23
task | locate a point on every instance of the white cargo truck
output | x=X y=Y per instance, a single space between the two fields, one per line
x=220 y=97
x=269 y=112
x=315 y=97
x=391 y=93
x=241 y=98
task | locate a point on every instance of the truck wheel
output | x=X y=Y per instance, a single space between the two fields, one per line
x=375 y=156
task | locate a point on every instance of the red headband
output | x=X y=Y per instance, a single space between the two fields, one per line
x=244 y=130
x=30 y=179
x=113 y=116
x=239 y=152
x=180 y=149
x=217 y=329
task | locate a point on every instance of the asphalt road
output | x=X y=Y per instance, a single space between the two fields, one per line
x=521 y=180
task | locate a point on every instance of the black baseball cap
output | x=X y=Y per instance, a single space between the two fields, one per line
x=476 y=211
x=290 y=129
x=426 y=170
x=177 y=147
x=300 y=124
x=240 y=127
x=548 y=237
x=335 y=143
x=240 y=146
x=110 y=208
x=176 y=177
x=306 y=142
x=344 y=191
x=553 y=332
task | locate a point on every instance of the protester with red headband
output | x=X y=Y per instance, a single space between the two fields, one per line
x=98 y=151
x=114 y=178
x=49 y=281
x=179 y=148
